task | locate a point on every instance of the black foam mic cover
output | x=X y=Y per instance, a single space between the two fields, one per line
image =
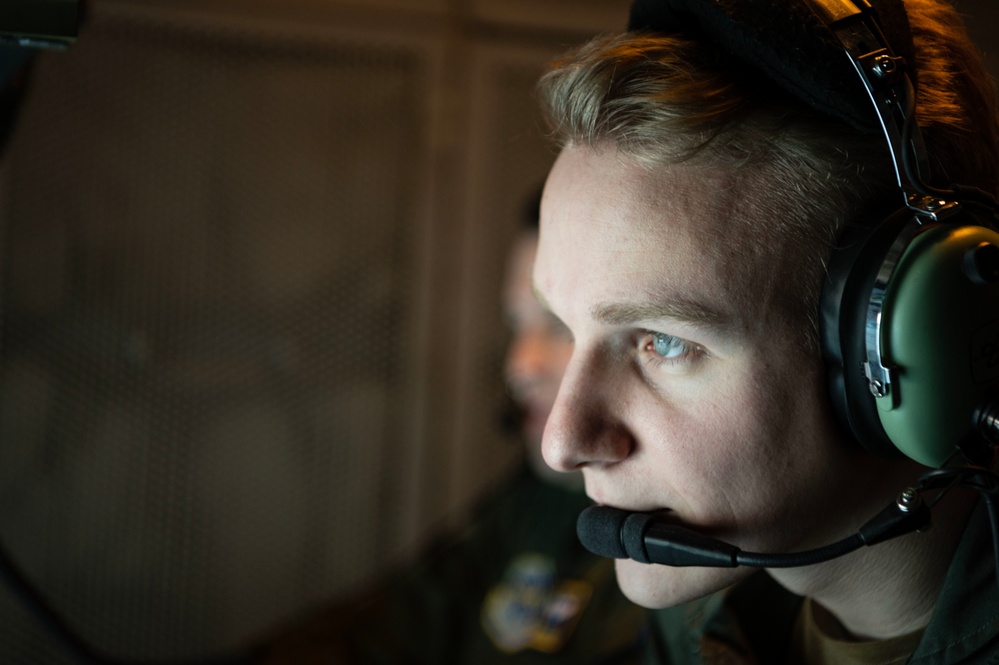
x=620 y=534
x=599 y=530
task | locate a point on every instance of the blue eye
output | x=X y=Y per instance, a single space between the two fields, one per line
x=668 y=346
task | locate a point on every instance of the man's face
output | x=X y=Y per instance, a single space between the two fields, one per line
x=688 y=392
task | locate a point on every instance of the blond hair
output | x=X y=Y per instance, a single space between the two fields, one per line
x=669 y=99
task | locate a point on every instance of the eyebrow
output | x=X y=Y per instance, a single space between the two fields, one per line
x=626 y=313
x=686 y=311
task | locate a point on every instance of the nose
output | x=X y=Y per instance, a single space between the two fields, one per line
x=586 y=426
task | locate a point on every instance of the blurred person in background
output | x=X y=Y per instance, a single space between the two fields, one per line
x=515 y=585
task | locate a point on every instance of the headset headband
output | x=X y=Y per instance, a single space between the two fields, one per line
x=789 y=42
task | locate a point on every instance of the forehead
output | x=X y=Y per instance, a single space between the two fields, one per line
x=616 y=231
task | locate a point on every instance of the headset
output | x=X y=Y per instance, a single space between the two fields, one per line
x=909 y=315
x=909 y=310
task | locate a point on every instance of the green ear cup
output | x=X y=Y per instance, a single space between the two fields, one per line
x=940 y=336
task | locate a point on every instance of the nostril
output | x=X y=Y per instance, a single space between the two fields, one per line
x=577 y=439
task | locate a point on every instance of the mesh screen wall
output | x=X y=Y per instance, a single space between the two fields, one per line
x=250 y=338
x=209 y=299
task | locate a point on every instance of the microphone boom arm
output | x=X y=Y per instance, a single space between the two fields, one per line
x=675 y=546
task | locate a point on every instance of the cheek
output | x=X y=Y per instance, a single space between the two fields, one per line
x=743 y=449
x=785 y=460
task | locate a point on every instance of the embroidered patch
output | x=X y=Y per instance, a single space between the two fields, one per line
x=531 y=609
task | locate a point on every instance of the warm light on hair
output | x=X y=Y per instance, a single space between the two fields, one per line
x=661 y=99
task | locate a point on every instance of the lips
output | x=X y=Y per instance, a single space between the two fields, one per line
x=664 y=514
x=595 y=490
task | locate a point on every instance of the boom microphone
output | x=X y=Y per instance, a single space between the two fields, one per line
x=620 y=534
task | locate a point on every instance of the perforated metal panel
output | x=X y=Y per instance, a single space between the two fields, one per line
x=209 y=260
x=250 y=343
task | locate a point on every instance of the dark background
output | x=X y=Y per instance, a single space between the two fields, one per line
x=250 y=343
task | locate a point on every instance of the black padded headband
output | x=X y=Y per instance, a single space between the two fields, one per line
x=789 y=43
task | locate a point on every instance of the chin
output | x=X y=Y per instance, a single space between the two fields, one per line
x=655 y=586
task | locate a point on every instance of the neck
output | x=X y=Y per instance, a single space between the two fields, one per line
x=889 y=589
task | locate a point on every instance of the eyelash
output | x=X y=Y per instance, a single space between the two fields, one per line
x=688 y=350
